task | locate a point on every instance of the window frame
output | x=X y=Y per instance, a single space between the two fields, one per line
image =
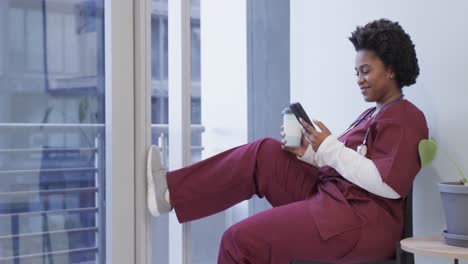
x=120 y=131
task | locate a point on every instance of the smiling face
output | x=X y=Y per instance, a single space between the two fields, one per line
x=377 y=82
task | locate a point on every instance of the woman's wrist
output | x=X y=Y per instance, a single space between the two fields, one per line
x=307 y=152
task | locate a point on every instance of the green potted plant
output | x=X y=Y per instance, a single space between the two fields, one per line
x=454 y=197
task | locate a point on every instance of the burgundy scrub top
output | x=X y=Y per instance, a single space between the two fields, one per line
x=342 y=206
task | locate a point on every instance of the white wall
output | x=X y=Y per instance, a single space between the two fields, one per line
x=322 y=77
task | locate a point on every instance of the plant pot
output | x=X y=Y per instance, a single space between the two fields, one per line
x=454 y=197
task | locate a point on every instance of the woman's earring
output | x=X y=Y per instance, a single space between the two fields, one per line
x=391 y=76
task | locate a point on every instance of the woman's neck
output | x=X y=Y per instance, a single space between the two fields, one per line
x=387 y=100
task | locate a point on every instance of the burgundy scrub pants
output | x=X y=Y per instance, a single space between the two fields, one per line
x=277 y=235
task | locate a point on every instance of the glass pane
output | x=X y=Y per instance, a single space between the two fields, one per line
x=52 y=151
x=206 y=233
x=159 y=103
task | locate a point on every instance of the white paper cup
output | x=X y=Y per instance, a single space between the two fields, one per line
x=292 y=130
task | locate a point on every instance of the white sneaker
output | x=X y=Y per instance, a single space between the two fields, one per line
x=157 y=183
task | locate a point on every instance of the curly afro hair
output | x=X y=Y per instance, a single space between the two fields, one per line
x=392 y=45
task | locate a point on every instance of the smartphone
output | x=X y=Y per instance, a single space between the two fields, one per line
x=299 y=112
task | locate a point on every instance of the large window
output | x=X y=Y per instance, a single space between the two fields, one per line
x=52 y=132
x=71 y=155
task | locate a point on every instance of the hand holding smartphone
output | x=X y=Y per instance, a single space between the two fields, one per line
x=299 y=112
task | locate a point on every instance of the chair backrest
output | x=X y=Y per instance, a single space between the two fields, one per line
x=401 y=256
x=408 y=222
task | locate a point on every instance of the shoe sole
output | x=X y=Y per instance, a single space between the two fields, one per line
x=151 y=193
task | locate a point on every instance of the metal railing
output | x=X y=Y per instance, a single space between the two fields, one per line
x=51 y=212
x=86 y=193
x=50 y=253
x=60 y=157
